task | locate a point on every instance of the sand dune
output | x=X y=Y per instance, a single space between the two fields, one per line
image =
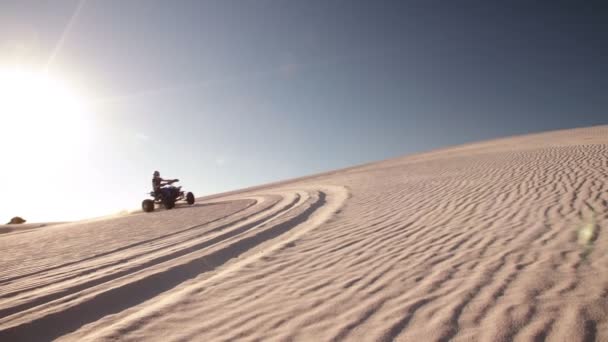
x=492 y=241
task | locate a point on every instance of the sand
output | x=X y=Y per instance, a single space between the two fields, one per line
x=492 y=241
x=17 y=228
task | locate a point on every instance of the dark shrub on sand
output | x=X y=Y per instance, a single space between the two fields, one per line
x=16 y=220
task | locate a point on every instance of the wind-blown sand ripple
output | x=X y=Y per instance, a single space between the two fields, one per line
x=498 y=240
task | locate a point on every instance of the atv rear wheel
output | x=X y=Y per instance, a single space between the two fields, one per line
x=190 y=198
x=147 y=205
x=169 y=203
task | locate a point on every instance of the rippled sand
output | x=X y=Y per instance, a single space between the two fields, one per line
x=492 y=241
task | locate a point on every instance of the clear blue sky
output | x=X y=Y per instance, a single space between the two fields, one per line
x=227 y=94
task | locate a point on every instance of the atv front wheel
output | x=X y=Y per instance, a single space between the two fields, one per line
x=190 y=198
x=147 y=205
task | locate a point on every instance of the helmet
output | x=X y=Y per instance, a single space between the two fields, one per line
x=156 y=173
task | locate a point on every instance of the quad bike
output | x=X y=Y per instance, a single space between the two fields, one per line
x=167 y=197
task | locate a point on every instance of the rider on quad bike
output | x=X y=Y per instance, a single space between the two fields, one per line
x=165 y=195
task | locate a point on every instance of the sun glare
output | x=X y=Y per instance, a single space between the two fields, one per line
x=41 y=116
x=44 y=144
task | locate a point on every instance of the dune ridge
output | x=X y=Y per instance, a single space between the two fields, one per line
x=497 y=240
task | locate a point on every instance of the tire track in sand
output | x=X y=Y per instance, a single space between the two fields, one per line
x=88 y=304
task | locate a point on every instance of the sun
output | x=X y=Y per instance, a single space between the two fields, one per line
x=46 y=143
x=41 y=116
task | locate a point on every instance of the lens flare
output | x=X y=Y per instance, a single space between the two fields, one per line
x=587 y=234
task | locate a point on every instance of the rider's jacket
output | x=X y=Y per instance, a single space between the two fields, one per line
x=156 y=182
